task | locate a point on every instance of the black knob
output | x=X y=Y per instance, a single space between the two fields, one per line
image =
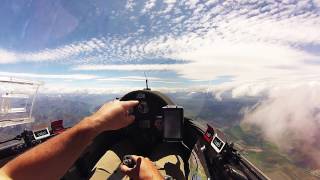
x=128 y=161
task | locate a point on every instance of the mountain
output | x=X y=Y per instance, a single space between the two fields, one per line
x=203 y=106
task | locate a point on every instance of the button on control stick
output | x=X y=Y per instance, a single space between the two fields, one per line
x=128 y=161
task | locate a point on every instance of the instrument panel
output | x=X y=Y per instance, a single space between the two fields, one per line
x=149 y=110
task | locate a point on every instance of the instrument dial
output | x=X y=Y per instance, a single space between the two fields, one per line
x=143 y=107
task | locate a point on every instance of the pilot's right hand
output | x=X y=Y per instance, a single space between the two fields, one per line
x=111 y=116
x=143 y=170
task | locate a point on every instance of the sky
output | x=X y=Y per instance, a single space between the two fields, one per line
x=99 y=45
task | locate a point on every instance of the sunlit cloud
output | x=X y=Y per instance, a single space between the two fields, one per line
x=126 y=67
x=291 y=115
x=130 y=5
x=50 y=76
x=214 y=22
x=7 y=57
x=129 y=78
x=249 y=40
x=139 y=79
x=55 y=55
x=242 y=44
x=148 y=6
x=67 y=88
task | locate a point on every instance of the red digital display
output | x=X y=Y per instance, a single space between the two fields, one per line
x=57 y=126
x=208 y=136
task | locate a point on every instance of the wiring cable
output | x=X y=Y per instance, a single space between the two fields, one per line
x=195 y=158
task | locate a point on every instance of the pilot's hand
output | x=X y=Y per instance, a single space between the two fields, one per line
x=112 y=116
x=144 y=169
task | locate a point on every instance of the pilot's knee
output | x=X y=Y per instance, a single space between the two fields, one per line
x=171 y=165
x=174 y=171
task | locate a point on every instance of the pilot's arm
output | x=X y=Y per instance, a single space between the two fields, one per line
x=51 y=159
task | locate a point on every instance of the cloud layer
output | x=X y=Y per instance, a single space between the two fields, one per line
x=50 y=76
x=290 y=117
x=248 y=40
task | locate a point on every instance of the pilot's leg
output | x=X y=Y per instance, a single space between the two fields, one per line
x=107 y=166
x=168 y=159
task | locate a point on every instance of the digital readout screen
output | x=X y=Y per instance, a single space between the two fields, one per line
x=172 y=124
x=218 y=143
x=41 y=133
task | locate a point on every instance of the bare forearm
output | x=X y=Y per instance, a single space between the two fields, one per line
x=52 y=159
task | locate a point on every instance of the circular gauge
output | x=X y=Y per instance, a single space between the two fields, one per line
x=143 y=107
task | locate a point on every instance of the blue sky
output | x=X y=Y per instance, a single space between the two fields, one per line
x=108 y=45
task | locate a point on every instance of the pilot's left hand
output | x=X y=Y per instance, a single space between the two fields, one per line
x=143 y=170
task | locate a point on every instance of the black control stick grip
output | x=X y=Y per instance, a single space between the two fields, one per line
x=128 y=161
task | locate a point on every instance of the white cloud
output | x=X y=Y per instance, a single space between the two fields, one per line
x=254 y=62
x=149 y=5
x=169 y=6
x=192 y=3
x=317 y=3
x=129 y=78
x=248 y=40
x=126 y=67
x=50 y=76
x=215 y=25
x=7 y=57
x=66 y=88
x=290 y=117
x=130 y=4
x=248 y=48
x=139 y=79
x=69 y=89
x=268 y=29
x=58 y=54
